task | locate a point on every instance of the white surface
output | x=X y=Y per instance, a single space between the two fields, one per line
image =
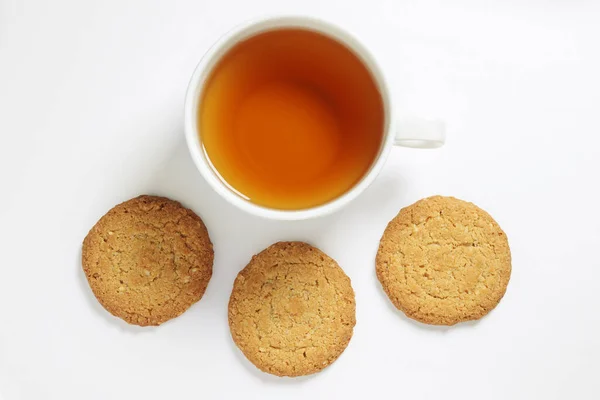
x=91 y=102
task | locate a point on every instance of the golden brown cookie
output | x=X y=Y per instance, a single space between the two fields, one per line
x=148 y=260
x=292 y=310
x=443 y=261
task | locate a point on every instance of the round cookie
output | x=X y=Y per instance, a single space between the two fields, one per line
x=148 y=260
x=292 y=310
x=443 y=261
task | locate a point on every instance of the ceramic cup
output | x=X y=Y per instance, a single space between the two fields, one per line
x=411 y=132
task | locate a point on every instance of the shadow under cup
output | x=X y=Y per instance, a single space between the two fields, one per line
x=290 y=119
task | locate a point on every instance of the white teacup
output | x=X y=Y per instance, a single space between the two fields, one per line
x=414 y=132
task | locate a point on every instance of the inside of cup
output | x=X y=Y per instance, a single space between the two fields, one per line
x=289 y=56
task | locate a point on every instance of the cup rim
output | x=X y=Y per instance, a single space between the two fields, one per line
x=205 y=68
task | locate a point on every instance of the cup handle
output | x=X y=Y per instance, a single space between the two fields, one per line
x=420 y=133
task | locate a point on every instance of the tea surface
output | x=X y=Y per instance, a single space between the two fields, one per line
x=291 y=119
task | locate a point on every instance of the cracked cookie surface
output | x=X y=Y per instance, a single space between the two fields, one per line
x=443 y=260
x=292 y=310
x=148 y=260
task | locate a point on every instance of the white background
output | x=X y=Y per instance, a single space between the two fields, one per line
x=91 y=100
